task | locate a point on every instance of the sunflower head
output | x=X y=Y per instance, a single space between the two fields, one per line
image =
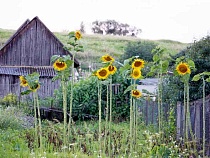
x=107 y=58
x=136 y=73
x=136 y=93
x=112 y=69
x=78 y=35
x=35 y=87
x=138 y=63
x=102 y=73
x=59 y=65
x=183 y=68
x=23 y=81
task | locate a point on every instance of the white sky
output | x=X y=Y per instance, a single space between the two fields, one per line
x=180 y=20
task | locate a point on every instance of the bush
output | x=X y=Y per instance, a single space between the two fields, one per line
x=142 y=49
x=85 y=98
x=9 y=100
x=10 y=118
x=199 y=52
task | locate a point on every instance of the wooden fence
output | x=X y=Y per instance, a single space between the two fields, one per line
x=196 y=118
x=149 y=111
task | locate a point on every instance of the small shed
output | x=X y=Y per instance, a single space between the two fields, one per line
x=29 y=50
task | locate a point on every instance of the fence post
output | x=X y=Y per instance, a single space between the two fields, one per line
x=178 y=120
x=197 y=120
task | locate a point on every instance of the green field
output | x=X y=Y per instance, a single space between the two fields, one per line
x=97 y=45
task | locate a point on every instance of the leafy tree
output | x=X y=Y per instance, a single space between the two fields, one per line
x=199 y=52
x=142 y=49
x=115 y=28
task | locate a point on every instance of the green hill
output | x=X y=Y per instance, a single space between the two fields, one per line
x=97 y=45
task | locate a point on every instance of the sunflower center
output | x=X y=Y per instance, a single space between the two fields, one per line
x=24 y=81
x=108 y=58
x=183 y=68
x=138 y=64
x=111 y=68
x=135 y=92
x=103 y=73
x=60 y=64
x=135 y=73
x=78 y=35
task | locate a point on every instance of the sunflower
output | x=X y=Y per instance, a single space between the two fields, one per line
x=112 y=69
x=136 y=93
x=102 y=73
x=138 y=63
x=23 y=81
x=136 y=74
x=35 y=87
x=78 y=35
x=183 y=68
x=107 y=58
x=59 y=65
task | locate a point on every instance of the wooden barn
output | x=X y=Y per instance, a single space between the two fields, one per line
x=29 y=50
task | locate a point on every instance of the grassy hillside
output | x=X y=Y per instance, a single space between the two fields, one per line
x=97 y=45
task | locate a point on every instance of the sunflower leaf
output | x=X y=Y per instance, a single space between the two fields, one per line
x=71 y=34
x=55 y=78
x=156 y=58
x=196 y=77
x=26 y=92
x=129 y=88
x=54 y=58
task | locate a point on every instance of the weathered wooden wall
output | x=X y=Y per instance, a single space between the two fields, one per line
x=196 y=117
x=11 y=84
x=32 y=47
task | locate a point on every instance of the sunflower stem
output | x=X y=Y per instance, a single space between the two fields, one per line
x=131 y=121
x=35 y=122
x=107 y=114
x=71 y=98
x=204 y=121
x=110 y=115
x=39 y=119
x=64 y=112
x=99 y=107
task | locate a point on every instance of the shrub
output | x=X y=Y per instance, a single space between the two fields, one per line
x=9 y=100
x=10 y=118
x=142 y=49
x=85 y=97
x=199 y=52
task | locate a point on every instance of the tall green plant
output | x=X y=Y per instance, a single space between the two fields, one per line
x=184 y=66
x=32 y=82
x=132 y=70
x=103 y=74
x=62 y=65
x=74 y=47
x=197 y=77
x=159 y=67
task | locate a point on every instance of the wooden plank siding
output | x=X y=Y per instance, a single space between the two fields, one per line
x=29 y=50
x=10 y=84
x=33 y=46
x=196 y=118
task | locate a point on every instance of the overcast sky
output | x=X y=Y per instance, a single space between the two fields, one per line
x=180 y=20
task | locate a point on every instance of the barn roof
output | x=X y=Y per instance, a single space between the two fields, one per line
x=44 y=71
x=24 y=27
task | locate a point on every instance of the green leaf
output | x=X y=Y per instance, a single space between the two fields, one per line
x=71 y=34
x=206 y=73
x=196 y=77
x=55 y=78
x=69 y=62
x=155 y=58
x=26 y=92
x=191 y=64
x=165 y=64
x=208 y=79
x=129 y=88
x=54 y=58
